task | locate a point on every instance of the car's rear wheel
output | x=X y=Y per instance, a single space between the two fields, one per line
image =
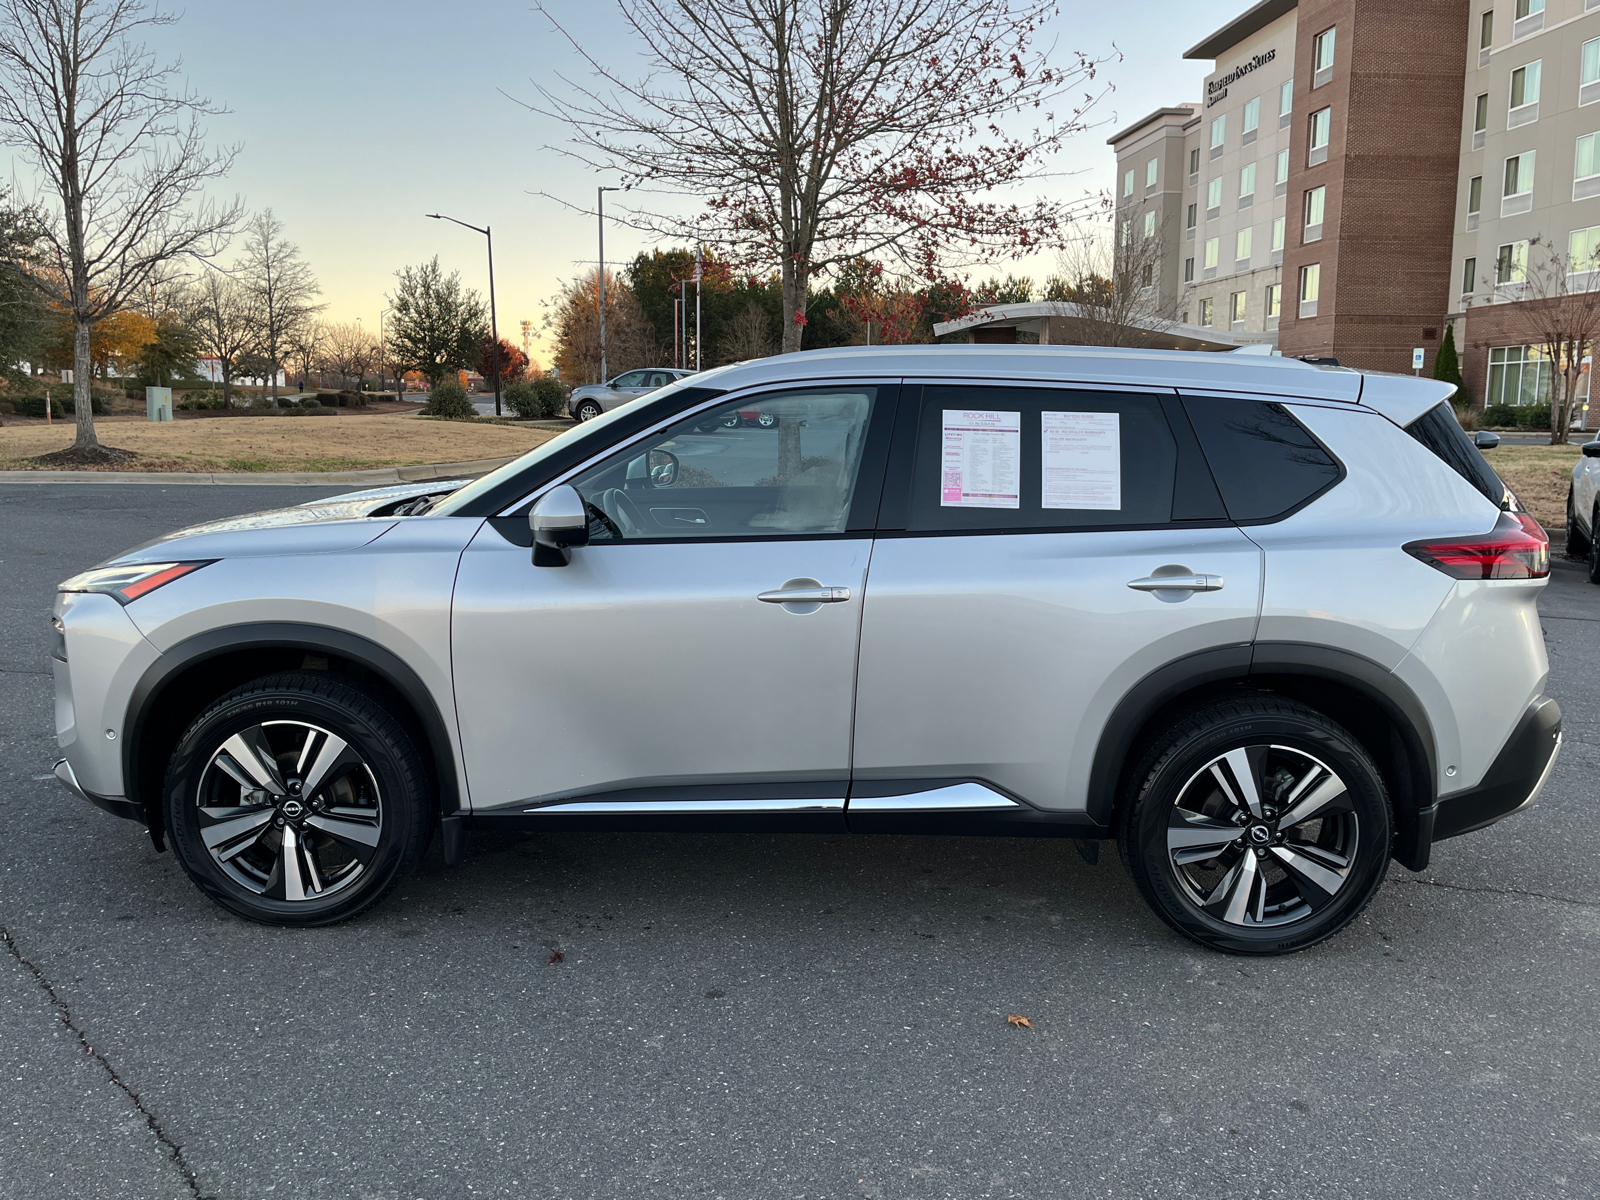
x=1577 y=541
x=297 y=800
x=1259 y=826
x=588 y=410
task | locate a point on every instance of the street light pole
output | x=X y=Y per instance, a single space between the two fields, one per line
x=494 y=328
x=699 y=261
x=600 y=214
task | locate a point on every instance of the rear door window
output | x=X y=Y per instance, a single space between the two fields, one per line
x=1020 y=459
x=1266 y=464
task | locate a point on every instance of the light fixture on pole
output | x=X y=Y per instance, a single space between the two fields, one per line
x=494 y=328
x=600 y=214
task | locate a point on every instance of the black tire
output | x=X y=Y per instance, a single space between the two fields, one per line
x=364 y=816
x=1287 y=902
x=588 y=410
x=1593 y=554
x=1577 y=540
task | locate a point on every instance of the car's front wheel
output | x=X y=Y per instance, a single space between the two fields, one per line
x=297 y=800
x=589 y=410
x=1259 y=826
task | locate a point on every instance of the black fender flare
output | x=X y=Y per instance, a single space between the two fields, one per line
x=1413 y=807
x=291 y=635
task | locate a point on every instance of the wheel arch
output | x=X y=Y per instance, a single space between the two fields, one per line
x=1370 y=701
x=186 y=678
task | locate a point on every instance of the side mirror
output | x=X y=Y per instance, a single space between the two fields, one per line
x=1484 y=440
x=663 y=468
x=1591 y=449
x=559 y=522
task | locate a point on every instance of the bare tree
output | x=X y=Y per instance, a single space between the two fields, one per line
x=1560 y=313
x=283 y=286
x=349 y=352
x=221 y=310
x=305 y=348
x=747 y=336
x=814 y=132
x=1111 y=295
x=122 y=155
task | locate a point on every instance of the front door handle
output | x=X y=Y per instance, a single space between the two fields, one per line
x=1177 y=583
x=816 y=595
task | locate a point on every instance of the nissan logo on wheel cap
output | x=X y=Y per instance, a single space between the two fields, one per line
x=293 y=809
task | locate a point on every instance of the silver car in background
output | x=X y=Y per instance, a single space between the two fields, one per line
x=1267 y=625
x=589 y=401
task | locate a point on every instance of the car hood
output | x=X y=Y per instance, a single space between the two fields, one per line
x=344 y=522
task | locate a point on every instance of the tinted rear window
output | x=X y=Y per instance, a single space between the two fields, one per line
x=1439 y=431
x=1266 y=463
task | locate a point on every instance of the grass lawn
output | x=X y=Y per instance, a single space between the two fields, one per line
x=339 y=443
x=1539 y=476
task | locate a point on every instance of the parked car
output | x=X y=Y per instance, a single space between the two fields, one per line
x=589 y=401
x=1266 y=625
x=1583 y=509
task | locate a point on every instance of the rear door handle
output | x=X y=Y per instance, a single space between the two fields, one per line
x=1177 y=583
x=816 y=595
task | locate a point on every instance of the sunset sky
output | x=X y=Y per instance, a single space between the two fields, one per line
x=357 y=117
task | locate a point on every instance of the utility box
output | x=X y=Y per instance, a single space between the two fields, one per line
x=158 y=404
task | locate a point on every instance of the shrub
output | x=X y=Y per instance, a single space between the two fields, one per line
x=33 y=406
x=552 y=395
x=97 y=406
x=449 y=400
x=1500 y=415
x=522 y=399
x=349 y=399
x=1534 y=416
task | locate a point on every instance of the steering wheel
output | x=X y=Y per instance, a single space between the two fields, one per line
x=623 y=512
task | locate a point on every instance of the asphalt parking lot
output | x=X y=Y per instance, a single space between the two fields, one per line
x=780 y=1017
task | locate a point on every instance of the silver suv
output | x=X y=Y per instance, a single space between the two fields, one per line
x=1266 y=624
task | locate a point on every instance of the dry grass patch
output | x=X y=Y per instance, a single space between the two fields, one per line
x=279 y=443
x=1539 y=475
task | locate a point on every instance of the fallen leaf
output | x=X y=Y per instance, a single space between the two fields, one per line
x=1018 y=1019
x=555 y=957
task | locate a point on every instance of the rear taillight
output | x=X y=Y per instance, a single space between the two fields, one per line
x=1517 y=548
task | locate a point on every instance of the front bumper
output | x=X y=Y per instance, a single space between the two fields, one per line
x=1513 y=781
x=117 y=806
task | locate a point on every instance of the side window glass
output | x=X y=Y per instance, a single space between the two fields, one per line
x=1017 y=458
x=1266 y=463
x=631 y=379
x=784 y=463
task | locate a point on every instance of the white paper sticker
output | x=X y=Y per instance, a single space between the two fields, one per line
x=1082 y=460
x=982 y=459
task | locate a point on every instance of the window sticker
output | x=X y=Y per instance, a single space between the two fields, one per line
x=981 y=467
x=1082 y=460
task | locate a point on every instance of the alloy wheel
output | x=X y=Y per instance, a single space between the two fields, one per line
x=1263 y=835
x=289 y=811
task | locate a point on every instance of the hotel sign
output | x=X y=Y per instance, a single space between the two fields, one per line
x=1217 y=89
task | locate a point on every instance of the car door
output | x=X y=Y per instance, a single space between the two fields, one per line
x=1027 y=574
x=663 y=670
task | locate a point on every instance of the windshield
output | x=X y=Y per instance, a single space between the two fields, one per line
x=588 y=429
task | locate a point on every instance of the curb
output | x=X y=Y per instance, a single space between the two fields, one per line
x=376 y=477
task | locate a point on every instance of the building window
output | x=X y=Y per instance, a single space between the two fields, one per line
x=1469 y=276
x=1247 y=182
x=1518 y=375
x=1252 y=115
x=1274 y=300
x=1281 y=175
x=1315 y=202
x=1151 y=170
x=1525 y=87
x=1241 y=246
x=1205 y=314
x=1148 y=275
x=1219 y=132
x=1480 y=114
x=1193 y=210
x=1519 y=175
x=1236 y=309
x=1194 y=161
x=1188 y=270
x=1511 y=263
x=1277 y=234
x=1127 y=184
x=1213 y=197
x=1586 y=162
x=1322 y=58
x=1150 y=224
x=1212 y=249
x=1475 y=195
x=1321 y=128
x=1286 y=98
x=1486 y=30
x=1583 y=250
x=1526 y=8
x=1310 y=285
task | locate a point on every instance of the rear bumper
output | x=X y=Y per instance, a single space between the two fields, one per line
x=117 y=806
x=1513 y=780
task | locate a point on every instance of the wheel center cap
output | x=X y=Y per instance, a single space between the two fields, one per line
x=1260 y=834
x=293 y=809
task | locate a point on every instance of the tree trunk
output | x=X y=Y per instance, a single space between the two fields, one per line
x=227 y=389
x=82 y=392
x=796 y=281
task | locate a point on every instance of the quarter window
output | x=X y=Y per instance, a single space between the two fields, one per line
x=1264 y=461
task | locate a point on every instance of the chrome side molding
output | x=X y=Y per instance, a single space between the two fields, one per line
x=830 y=804
x=959 y=797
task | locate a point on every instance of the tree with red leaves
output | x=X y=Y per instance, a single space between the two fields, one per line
x=513 y=363
x=813 y=133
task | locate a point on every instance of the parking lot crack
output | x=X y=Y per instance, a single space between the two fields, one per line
x=64 y=1014
x=1494 y=891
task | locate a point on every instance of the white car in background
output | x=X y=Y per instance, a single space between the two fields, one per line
x=1583 y=506
x=588 y=402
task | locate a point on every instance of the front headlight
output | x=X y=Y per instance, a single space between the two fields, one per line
x=127 y=583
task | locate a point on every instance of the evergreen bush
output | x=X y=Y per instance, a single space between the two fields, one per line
x=552 y=395
x=1447 y=366
x=448 y=400
x=522 y=399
